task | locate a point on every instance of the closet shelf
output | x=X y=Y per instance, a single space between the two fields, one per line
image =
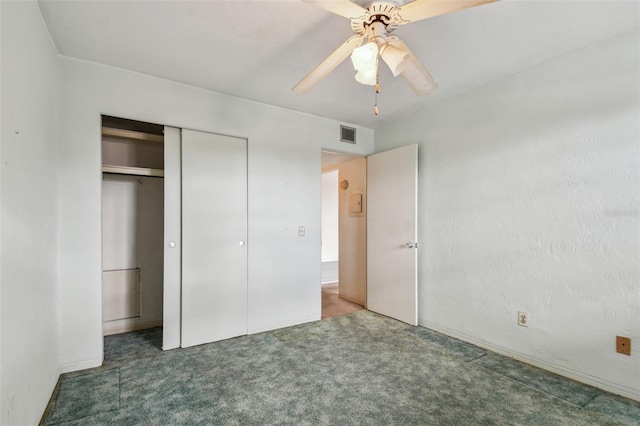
x=138 y=171
x=131 y=134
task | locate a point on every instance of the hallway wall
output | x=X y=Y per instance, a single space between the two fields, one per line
x=352 y=240
x=330 y=216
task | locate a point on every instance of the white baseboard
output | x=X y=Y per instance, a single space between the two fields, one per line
x=81 y=365
x=283 y=324
x=562 y=371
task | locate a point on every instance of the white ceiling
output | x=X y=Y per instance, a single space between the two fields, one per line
x=260 y=49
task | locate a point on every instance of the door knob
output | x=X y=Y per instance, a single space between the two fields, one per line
x=241 y=243
x=411 y=245
x=172 y=244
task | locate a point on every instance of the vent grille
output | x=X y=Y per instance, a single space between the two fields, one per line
x=347 y=134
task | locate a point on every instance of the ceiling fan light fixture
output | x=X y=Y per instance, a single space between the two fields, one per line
x=365 y=62
x=367 y=77
x=375 y=23
x=364 y=54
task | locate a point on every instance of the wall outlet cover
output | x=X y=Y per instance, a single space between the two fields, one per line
x=623 y=345
x=523 y=319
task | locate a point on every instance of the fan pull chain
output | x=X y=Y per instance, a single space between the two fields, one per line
x=375 y=107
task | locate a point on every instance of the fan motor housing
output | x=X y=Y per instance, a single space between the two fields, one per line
x=385 y=12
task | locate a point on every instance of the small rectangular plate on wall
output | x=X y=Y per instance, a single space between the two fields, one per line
x=623 y=345
x=355 y=205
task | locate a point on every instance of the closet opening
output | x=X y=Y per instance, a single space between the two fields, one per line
x=132 y=227
x=344 y=244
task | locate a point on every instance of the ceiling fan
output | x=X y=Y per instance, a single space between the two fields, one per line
x=373 y=26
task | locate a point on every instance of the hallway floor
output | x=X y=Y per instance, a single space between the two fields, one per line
x=333 y=305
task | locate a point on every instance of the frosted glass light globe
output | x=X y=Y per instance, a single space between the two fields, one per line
x=367 y=52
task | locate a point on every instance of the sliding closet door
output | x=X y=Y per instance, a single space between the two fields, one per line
x=214 y=235
x=172 y=243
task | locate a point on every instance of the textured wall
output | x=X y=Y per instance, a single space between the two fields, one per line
x=29 y=226
x=529 y=194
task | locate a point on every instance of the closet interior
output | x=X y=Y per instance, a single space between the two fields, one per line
x=132 y=225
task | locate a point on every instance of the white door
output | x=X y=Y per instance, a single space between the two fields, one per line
x=392 y=274
x=214 y=235
x=172 y=244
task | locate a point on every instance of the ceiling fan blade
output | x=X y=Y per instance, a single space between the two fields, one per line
x=413 y=72
x=394 y=57
x=339 y=7
x=328 y=65
x=423 y=9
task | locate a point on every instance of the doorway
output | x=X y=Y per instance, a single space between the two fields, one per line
x=343 y=285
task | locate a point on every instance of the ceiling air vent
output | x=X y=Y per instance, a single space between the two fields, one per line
x=347 y=134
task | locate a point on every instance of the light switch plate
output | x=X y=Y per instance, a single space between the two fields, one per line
x=301 y=231
x=355 y=203
x=356 y=207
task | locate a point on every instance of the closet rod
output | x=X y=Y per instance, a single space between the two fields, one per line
x=131 y=134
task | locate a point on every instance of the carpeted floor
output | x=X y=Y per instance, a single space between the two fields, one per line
x=333 y=305
x=357 y=369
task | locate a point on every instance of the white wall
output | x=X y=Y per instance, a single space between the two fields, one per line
x=29 y=205
x=529 y=202
x=284 y=188
x=330 y=216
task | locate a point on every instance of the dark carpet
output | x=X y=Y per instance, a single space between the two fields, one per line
x=357 y=369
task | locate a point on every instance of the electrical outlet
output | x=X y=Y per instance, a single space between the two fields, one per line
x=623 y=345
x=301 y=231
x=523 y=319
